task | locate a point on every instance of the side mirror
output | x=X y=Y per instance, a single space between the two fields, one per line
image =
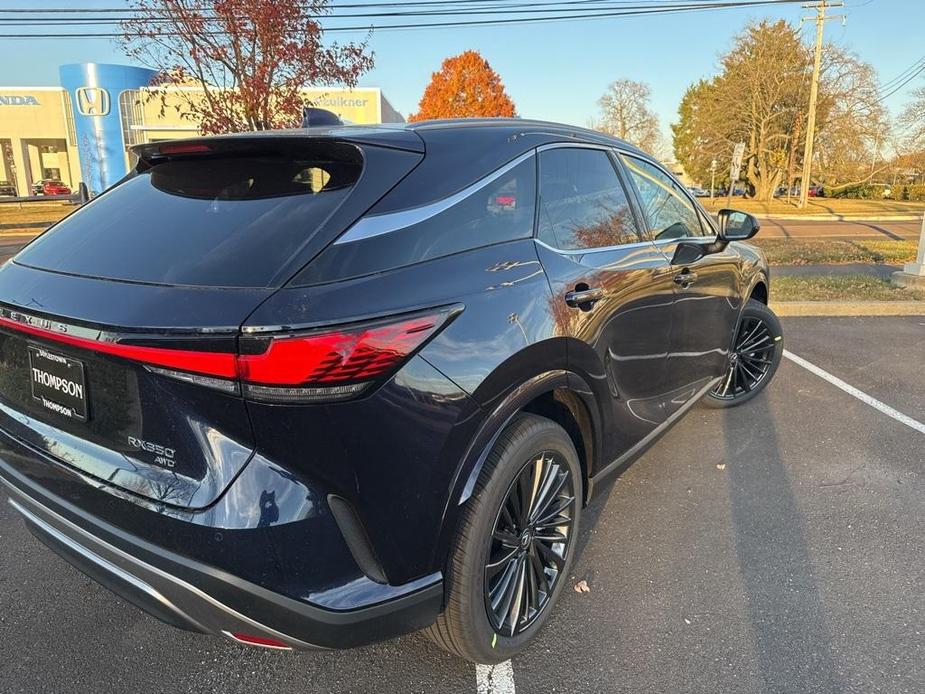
x=736 y=226
x=733 y=226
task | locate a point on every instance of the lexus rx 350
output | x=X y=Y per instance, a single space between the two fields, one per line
x=319 y=388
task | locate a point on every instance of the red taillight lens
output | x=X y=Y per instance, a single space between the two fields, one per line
x=210 y=363
x=324 y=365
x=184 y=148
x=341 y=356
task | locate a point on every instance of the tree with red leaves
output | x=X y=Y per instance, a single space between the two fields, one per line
x=465 y=87
x=249 y=59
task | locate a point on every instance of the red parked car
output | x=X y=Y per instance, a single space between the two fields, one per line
x=50 y=186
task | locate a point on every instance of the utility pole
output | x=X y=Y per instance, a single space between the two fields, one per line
x=820 y=18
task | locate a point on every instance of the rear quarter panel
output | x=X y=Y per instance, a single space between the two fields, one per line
x=397 y=453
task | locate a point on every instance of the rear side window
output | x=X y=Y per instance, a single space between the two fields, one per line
x=668 y=210
x=498 y=211
x=218 y=220
x=582 y=202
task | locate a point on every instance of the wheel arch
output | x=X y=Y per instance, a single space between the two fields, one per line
x=559 y=395
x=759 y=290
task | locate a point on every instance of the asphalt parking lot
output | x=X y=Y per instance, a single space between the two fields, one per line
x=776 y=547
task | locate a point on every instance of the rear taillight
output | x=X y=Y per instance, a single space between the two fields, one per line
x=184 y=148
x=332 y=364
x=218 y=364
x=321 y=365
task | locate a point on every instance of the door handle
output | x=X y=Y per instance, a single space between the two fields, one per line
x=685 y=278
x=582 y=298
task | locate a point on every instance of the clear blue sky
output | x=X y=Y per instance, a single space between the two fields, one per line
x=552 y=71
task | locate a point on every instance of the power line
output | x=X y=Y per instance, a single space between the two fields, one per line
x=624 y=11
x=513 y=8
x=332 y=6
x=901 y=84
x=887 y=89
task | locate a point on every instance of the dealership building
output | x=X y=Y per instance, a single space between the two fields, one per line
x=82 y=129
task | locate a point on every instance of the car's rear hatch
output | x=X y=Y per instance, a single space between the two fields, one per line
x=110 y=320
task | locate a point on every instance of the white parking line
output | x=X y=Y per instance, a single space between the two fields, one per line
x=859 y=394
x=495 y=679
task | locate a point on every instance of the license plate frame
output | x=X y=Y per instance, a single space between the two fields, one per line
x=58 y=383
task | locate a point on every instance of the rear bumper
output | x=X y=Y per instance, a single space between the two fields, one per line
x=199 y=597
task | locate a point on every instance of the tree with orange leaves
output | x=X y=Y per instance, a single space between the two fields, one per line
x=465 y=87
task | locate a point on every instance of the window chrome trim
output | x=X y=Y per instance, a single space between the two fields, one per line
x=376 y=225
x=573 y=145
x=595 y=249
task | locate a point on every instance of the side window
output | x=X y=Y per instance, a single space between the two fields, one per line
x=667 y=209
x=582 y=202
x=501 y=210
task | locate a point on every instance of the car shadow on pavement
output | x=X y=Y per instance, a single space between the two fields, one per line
x=787 y=614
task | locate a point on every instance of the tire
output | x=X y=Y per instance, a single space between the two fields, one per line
x=465 y=628
x=750 y=355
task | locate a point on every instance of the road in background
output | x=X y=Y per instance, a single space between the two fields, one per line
x=846 y=229
x=10 y=244
x=773 y=547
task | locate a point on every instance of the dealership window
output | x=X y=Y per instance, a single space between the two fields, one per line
x=131 y=113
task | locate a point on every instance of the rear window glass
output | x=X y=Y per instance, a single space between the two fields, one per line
x=502 y=210
x=226 y=221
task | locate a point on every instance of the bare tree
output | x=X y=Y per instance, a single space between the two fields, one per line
x=856 y=128
x=627 y=114
x=912 y=122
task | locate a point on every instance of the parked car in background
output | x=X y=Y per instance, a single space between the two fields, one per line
x=7 y=188
x=50 y=186
x=698 y=192
x=320 y=388
x=816 y=192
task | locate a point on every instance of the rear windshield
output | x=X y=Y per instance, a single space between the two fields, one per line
x=218 y=221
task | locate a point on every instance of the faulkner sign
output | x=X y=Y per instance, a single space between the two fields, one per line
x=28 y=100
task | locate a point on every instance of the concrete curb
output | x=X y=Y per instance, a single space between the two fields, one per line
x=848 y=308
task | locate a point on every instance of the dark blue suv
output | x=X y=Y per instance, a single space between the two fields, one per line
x=323 y=387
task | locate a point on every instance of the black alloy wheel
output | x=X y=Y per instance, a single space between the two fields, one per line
x=754 y=357
x=515 y=543
x=529 y=544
